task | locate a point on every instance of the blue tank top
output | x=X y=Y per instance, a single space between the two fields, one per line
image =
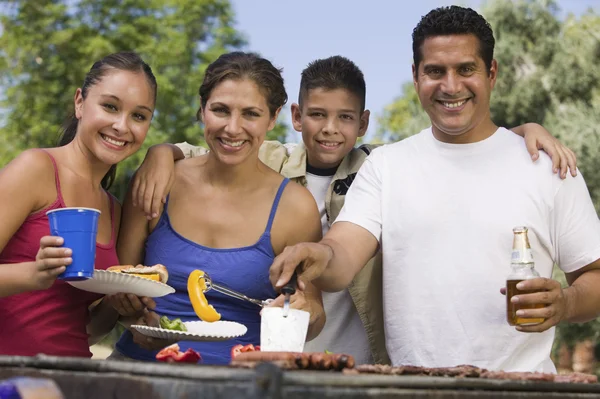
x=245 y=270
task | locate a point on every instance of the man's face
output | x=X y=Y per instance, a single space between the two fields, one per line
x=330 y=122
x=454 y=87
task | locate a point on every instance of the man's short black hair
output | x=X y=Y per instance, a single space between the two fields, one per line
x=454 y=20
x=331 y=73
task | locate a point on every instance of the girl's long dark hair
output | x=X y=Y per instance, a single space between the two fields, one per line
x=123 y=61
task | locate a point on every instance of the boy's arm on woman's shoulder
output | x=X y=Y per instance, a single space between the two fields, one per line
x=191 y=151
x=272 y=153
x=275 y=154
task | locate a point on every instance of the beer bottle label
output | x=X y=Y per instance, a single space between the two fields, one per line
x=522 y=256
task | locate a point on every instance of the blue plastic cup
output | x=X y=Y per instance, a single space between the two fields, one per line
x=79 y=228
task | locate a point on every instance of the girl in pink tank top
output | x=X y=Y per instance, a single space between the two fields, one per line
x=40 y=314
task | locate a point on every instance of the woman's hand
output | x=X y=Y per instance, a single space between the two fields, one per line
x=299 y=301
x=50 y=261
x=310 y=301
x=149 y=318
x=130 y=305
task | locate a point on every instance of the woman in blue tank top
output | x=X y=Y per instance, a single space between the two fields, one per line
x=228 y=214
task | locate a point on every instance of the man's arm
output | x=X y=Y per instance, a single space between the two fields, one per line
x=330 y=264
x=582 y=297
x=575 y=234
x=578 y=303
x=351 y=247
x=348 y=245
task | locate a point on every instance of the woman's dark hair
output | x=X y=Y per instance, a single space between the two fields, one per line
x=239 y=65
x=123 y=61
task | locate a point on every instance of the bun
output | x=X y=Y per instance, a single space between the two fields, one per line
x=118 y=268
x=157 y=272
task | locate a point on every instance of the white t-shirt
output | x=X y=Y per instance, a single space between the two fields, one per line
x=444 y=215
x=318 y=185
x=343 y=331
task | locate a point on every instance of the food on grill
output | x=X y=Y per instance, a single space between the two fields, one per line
x=196 y=287
x=467 y=371
x=157 y=272
x=458 y=371
x=580 y=378
x=519 y=376
x=295 y=360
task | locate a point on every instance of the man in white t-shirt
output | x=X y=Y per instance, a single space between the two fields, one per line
x=442 y=205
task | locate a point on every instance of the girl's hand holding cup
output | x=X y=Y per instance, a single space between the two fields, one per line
x=50 y=261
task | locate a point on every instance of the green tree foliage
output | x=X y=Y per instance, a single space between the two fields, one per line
x=47 y=46
x=575 y=81
x=402 y=118
x=548 y=74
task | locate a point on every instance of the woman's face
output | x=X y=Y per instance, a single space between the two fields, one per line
x=115 y=116
x=236 y=120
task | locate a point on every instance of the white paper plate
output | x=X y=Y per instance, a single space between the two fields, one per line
x=197 y=331
x=105 y=282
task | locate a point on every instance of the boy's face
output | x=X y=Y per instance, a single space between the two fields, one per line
x=330 y=122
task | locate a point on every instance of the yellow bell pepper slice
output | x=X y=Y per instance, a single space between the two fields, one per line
x=196 y=286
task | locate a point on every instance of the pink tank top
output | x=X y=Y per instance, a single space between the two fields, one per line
x=51 y=321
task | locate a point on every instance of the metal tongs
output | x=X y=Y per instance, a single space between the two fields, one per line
x=288 y=290
x=229 y=292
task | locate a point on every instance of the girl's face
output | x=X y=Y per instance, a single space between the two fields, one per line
x=115 y=116
x=236 y=120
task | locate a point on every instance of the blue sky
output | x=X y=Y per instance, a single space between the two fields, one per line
x=375 y=34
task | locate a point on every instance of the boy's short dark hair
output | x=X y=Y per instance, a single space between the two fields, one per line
x=331 y=73
x=454 y=20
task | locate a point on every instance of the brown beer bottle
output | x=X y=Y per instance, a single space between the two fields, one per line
x=522 y=268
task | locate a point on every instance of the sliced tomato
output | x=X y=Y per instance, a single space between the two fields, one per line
x=239 y=348
x=236 y=350
x=248 y=348
x=189 y=356
x=167 y=352
x=172 y=354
